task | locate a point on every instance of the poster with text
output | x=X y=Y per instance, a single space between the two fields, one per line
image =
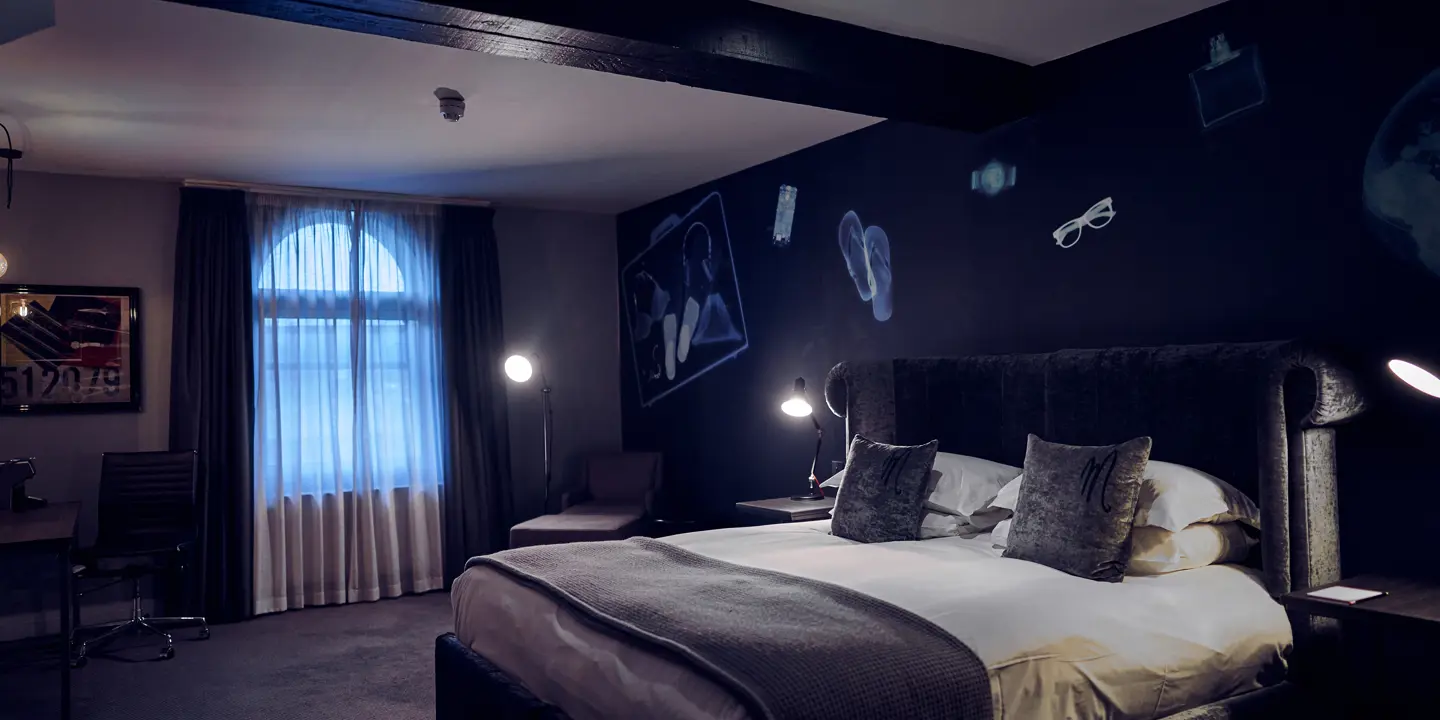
x=69 y=349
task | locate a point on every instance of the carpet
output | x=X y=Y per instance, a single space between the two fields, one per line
x=348 y=662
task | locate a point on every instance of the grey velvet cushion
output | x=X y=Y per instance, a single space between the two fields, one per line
x=1077 y=506
x=883 y=498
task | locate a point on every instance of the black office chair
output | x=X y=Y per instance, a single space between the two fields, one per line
x=147 y=527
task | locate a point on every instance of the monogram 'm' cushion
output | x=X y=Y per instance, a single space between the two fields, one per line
x=1077 y=506
x=883 y=498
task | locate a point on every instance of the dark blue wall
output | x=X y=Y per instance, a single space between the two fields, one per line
x=1254 y=229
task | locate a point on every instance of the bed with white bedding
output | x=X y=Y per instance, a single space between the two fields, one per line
x=1190 y=644
x=1056 y=646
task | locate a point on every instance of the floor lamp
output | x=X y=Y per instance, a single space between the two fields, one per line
x=520 y=369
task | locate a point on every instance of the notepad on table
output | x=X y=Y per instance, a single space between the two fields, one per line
x=1347 y=595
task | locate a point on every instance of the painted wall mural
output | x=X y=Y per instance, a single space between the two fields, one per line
x=867 y=257
x=992 y=179
x=1231 y=83
x=1402 y=176
x=1098 y=216
x=682 y=301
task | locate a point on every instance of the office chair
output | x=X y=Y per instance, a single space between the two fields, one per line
x=147 y=527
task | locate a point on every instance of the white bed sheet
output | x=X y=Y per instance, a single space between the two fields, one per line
x=1056 y=646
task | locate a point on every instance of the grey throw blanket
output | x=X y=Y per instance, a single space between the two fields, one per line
x=786 y=647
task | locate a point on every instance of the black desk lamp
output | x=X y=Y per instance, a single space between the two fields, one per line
x=799 y=406
x=520 y=369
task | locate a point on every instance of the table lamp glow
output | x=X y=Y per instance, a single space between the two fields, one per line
x=798 y=405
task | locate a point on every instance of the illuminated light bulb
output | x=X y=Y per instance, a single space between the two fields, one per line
x=517 y=368
x=796 y=407
x=1416 y=377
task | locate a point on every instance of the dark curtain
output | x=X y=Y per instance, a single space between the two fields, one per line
x=476 y=498
x=211 y=396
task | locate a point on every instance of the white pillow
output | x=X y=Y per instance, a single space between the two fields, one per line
x=1172 y=497
x=1155 y=551
x=966 y=484
x=938 y=525
x=1175 y=497
x=1000 y=536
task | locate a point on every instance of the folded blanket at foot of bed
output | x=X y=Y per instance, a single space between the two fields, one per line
x=787 y=647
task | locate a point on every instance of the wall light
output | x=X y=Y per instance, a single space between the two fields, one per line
x=1416 y=377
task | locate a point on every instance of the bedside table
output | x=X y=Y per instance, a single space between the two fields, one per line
x=1386 y=663
x=783 y=510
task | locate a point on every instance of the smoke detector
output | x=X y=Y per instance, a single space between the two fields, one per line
x=452 y=104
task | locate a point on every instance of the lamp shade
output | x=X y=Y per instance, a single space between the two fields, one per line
x=797 y=404
x=1416 y=377
x=518 y=368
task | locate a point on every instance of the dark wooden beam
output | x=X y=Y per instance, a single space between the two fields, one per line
x=733 y=46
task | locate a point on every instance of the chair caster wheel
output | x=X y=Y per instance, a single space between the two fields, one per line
x=167 y=653
x=79 y=662
x=204 y=633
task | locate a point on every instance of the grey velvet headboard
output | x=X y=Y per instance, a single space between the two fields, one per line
x=1259 y=415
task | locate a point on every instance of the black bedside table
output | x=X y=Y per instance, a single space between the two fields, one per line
x=783 y=510
x=1386 y=666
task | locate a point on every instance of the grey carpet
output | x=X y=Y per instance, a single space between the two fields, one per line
x=351 y=662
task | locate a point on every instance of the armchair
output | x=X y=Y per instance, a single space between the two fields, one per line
x=613 y=502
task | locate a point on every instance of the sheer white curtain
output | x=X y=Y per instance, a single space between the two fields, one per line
x=348 y=424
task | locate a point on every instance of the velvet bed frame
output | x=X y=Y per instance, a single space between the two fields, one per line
x=1261 y=415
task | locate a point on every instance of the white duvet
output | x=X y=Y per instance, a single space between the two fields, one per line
x=1056 y=646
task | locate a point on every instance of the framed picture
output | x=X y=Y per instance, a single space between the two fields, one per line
x=69 y=349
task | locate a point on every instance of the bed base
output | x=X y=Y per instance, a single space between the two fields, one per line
x=470 y=687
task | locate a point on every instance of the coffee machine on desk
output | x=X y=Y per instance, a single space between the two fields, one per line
x=13 y=474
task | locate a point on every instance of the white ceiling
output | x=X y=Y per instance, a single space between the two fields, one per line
x=146 y=88
x=1029 y=31
x=153 y=89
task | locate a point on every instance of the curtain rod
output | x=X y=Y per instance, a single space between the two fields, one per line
x=329 y=193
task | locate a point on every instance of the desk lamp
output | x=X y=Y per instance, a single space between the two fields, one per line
x=799 y=406
x=1416 y=377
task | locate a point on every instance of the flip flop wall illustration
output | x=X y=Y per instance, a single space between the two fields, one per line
x=867 y=256
x=682 y=301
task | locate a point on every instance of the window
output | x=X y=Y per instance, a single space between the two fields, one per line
x=347 y=359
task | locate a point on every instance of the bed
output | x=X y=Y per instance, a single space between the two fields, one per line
x=1202 y=643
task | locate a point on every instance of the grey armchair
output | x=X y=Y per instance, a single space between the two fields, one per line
x=613 y=502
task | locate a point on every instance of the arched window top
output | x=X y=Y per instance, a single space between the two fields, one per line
x=318 y=258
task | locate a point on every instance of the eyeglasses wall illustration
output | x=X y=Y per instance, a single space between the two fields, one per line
x=1098 y=216
x=682 y=301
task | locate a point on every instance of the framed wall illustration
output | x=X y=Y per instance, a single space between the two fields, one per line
x=69 y=349
x=682 y=301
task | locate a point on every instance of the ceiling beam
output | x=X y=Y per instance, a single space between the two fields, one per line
x=733 y=46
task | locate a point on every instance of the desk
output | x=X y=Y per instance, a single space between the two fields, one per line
x=49 y=530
